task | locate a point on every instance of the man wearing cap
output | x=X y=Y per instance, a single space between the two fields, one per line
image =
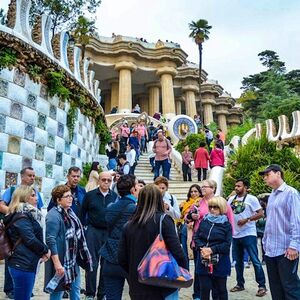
x=282 y=235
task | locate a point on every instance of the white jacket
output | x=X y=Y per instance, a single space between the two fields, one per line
x=174 y=210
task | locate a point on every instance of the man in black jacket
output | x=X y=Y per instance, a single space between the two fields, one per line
x=93 y=215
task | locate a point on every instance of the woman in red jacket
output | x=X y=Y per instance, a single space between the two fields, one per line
x=201 y=159
x=217 y=156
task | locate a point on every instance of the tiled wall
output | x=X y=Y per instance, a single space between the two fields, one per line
x=33 y=132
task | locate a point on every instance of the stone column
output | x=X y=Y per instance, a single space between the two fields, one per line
x=125 y=88
x=208 y=100
x=190 y=99
x=114 y=93
x=166 y=79
x=153 y=98
x=105 y=96
x=222 y=121
x=178 y=106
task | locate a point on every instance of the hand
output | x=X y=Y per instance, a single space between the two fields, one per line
x=189 y=225
x=195 y=216
x=46 y=256
x=60 y=271
x=206 y=252
x=166 y=206
x=291 y=254
x=242 y=222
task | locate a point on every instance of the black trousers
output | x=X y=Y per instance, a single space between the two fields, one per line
x=202 y=174
x=187 y=173
x=283 y=279
x=213 y=283
x=95 y=238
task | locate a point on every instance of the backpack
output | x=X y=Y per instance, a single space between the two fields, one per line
x=6 y=246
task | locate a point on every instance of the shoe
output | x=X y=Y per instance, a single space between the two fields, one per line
x=10 y=295
x=65 y=295
x=237 y=289
x=233 y=264
x=32 y=295
x=261 y=292
x=246 y=265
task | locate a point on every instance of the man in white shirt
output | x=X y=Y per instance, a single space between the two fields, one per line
x=246 y=209
x=131 y=158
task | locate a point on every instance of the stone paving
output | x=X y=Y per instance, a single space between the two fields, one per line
x=185 y=294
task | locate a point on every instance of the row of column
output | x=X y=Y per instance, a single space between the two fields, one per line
x=121 y=91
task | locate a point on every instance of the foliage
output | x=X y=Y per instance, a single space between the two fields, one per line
x=8 y=58
x=199 y=30
x=239 y=130
x=85 y=174
x=34 y=72
x=104 y=134
x=270 y=93
x=192 y=140
x=71 y=120
x=256 y=155
x=213 y=126
x=64 y=13
x=56 y=86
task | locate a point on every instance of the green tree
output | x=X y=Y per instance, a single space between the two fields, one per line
x=64 y=13
x=200 y=31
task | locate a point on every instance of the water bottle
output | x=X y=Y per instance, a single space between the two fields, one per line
x=53 y=283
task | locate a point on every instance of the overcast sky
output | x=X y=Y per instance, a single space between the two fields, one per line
x=241 y=29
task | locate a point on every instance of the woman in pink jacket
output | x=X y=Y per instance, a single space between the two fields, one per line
x=201 y=159
x=217 y=156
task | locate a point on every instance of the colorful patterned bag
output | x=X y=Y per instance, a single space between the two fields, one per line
x=158 y=267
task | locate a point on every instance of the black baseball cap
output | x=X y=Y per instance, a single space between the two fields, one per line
x=273 y=167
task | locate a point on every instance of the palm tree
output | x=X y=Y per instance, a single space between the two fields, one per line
x=200 y=33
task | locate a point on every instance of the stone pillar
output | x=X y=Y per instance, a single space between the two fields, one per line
x=125 y=88
x=105 y=96
x=143 y=100
x=208 y=100
x=153 y=98
x=114 y=93
x=178 y=106
x=222 y=122
x=190 y=99
x=166 y=79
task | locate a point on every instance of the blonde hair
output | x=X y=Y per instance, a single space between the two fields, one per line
x=220 y=202
x=20 y=195
x=211 y=183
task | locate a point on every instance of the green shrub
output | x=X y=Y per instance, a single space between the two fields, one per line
x=55 y=82
x=239 y=130
x=192 y=140
x=254 y=157
x=104 y=134
x=8 y=58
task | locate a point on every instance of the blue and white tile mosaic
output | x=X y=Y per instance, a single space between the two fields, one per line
x=19 y=77
x=5 y=106
x=3 y=141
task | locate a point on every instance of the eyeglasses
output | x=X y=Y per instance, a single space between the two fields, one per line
x=213 y=207
x=206 y=187
x=196 y=191
x=67 y=196
x=105 y=180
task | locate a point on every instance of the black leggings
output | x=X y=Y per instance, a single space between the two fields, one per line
x=202 y=174
x=217 y=284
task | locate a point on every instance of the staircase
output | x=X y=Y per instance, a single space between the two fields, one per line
x=177 y=186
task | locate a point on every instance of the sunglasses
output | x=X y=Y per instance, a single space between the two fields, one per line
x=213 y=207
x=105 y=180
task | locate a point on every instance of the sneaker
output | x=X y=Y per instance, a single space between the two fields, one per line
x=10 y=295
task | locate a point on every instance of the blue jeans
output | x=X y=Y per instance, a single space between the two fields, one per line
x=183 y=241
x=196 y=288
x=23 y=283
x=248 y=243
x=114 y=279
x=246 y=256
x=8 y=282
x=283 y=279
x=173 y=296
x=74 y=292
x=112 y=164
x=165 y=167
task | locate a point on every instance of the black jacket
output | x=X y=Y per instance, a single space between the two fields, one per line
x=94 y=208
x=135 y=242
x=31 y=248
x=117 y=214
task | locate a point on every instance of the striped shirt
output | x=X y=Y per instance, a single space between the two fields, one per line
x=283 y=221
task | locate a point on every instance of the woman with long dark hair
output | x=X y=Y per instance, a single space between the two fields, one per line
x=93 y=177
x=138 y=235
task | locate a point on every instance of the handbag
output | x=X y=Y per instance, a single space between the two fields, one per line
x=158 y=267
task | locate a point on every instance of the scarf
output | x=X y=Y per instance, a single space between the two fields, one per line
x=75 y=244
x=30 y=209
x=186 y=206
x=220 y=219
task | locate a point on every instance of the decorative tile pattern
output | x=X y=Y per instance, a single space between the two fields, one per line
x=79 y=153
x=2 y=123
x=52 y=113
x=42 y=120
x=75 y=138
x=39 y=153
x=61 y=105
x=1 y=158
x=26 y=162
x=10 y=179
x=49 y=170
x=73 y=161
x=83 y=143
x=58 y=160
x=67 y=147
x=65 y=172
x=19 y=77
x=44 y=92
x=51 y=141
x=31 y=101
x=60 y=130
x=16 y=111
x=14 y=145
x=38 y=182
x=29 y=132
x=80 y=129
